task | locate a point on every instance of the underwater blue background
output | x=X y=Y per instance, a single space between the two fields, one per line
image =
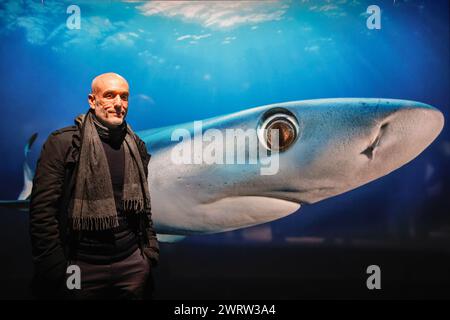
x=184 y=67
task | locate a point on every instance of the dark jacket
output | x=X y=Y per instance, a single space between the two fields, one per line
x=50 y=233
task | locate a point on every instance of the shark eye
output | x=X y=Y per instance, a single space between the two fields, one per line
x=287 y=128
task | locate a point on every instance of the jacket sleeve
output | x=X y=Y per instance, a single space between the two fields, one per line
x=152 y=248
x=47 y=249
x=152 y=251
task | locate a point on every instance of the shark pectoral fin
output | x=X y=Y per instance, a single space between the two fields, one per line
x=169 y=237
x=232 y=213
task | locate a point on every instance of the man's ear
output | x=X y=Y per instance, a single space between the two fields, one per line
x=91 y=101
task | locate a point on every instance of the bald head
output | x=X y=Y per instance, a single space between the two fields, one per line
x=109 y=98
x=104 y=79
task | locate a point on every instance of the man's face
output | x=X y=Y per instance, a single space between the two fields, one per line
x=109 y=99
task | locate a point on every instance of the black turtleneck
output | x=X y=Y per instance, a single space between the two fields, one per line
x=116 y=244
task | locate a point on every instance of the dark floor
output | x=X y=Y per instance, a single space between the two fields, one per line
x=300 y=272
x=263 y=269
x=266 y=271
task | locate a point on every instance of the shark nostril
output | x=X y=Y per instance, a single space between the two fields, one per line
x=383 y=127
x=369 y=151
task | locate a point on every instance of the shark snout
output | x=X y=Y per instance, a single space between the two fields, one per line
x=358 y=141
x=403 y=134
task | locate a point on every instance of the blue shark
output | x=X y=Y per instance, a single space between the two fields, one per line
x=327 y=147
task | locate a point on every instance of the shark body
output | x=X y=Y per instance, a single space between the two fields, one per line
x=335 y=145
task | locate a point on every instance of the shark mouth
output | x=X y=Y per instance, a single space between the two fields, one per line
x=298 y=196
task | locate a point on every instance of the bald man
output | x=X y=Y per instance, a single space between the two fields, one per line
x=91 y=229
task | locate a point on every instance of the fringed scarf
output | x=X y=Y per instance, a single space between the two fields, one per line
x=92 y=206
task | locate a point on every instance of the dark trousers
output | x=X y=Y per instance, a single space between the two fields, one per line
x=125 y=279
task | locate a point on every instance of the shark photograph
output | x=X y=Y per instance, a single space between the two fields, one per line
x=342 y=144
